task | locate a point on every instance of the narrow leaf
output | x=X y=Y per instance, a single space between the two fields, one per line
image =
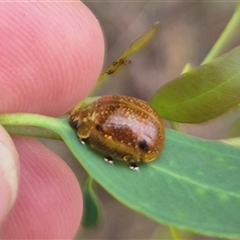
x=136 y=46
x=194 y=185
x=91 y=210
x=141 y=42
x=201 y=94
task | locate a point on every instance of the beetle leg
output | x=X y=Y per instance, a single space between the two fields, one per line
x=83 y=140
x=74 y=123
x=132 y=163
x=133 y=166
x=108 y=160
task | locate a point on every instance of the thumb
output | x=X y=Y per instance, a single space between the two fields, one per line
x=9 y=173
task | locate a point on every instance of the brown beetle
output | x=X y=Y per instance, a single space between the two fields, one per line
x=120 y=127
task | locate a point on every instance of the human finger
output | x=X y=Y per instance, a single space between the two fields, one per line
x=9 y=173
x=49 y=204
x=51 y=55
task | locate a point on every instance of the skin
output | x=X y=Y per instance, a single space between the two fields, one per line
x=51 y=55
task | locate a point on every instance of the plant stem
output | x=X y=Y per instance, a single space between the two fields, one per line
x=175 y=126
x=30 y=131
x=232 y=141
x=36 y=120
x=174 y=233
x=226 y=36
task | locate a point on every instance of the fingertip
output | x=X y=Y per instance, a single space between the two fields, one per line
x=49 y=204
x=9 y=173
x=52 y=54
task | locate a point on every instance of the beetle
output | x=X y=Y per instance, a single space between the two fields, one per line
x=120 y=127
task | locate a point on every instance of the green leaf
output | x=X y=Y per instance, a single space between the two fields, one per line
x=201 y=94
x=194 y=185
x=141 y=42
x=91 y=210
x=135 y=47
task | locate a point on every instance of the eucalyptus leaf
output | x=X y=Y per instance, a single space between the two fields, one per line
x=194 y=185
x=135 y=47
x=91 y=211
x=201 y=94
